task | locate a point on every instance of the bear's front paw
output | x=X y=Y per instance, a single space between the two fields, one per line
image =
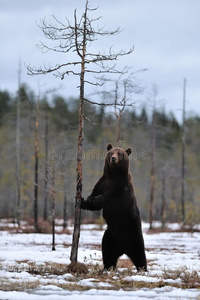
x=82 y=203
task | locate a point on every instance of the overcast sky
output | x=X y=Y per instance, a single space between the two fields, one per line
x=165 y=35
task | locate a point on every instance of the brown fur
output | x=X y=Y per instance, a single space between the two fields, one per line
x=114 y=193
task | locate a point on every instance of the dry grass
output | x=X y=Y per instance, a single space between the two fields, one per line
x=116 y=279
x=77 y=268
x=18 y=286
x=189 y=279
x=168 y=230
x=47 y=269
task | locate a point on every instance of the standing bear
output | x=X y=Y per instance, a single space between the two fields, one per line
x=114 y=193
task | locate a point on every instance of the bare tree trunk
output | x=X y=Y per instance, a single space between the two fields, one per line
x=152 y=179
x=79 y=173
x=18 y=148
x=119 y=111
x=183 y=157
x=46 y=165
x=151 y=196
x=163 y=197
x=35 y=208
x=65 y=210
x=119 y=128
x=153 y=161
x=117 y=114
x=77 y=215
x=53 y=198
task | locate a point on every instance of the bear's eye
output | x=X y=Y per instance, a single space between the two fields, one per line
x=120 y=155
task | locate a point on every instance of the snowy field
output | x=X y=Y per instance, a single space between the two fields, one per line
x=30 y=270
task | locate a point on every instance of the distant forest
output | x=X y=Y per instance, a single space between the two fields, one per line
x=58 y=131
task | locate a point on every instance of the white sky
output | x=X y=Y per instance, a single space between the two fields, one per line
x=165 y=34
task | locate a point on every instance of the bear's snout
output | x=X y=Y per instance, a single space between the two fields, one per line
x=114 y=158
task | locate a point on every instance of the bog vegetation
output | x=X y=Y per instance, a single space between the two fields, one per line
x=57 y=147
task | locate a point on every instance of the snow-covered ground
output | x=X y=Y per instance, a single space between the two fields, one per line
x=29 y=269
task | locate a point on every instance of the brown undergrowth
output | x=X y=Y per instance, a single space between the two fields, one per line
x=97 y=278
x=44 y=226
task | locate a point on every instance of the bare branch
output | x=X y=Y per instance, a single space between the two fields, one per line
x=104 y=69
x=107 y=104
x=70 y=38
x=76 y=35
x=62 y=75
x=94 y=83
x=60 y=48
x=44 y=70
x=90 y=121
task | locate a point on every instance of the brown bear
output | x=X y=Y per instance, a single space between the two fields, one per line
x=114 y=193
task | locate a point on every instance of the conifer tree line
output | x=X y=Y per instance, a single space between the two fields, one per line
x=57 y=122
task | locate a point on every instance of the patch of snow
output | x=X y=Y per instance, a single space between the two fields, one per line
x=165 y=251
x=92 y=282
x=141 y=278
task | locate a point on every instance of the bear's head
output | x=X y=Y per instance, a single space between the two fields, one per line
x=117 y=158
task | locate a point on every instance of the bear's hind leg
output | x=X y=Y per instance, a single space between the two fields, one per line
x=136 y=249
x=110 y=252
x=139 y=260
x=137 y=254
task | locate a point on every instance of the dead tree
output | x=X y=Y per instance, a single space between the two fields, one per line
x=65 y=210
x=153 y=150
x=119 y=111
x=53 y=199
x=36 y=147
x=183 y=157
x=124 y=87
x=76 y=38
x=18 y=147
x=46 y=118
x=163 y=197
x=46 y=147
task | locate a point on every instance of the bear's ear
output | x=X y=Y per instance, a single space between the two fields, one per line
x=109 y=147
x=128 y=151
